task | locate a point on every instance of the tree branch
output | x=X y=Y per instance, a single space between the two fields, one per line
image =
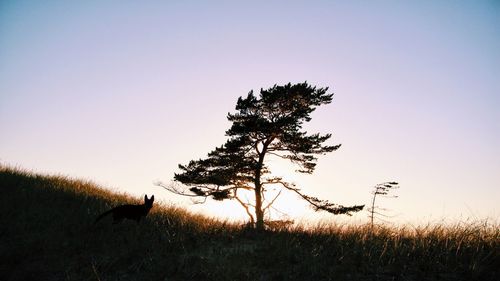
x=245 y=206
x=272 y=202
x=175 y=190
x=276 y=154
x=201 y=191
x=324 y=205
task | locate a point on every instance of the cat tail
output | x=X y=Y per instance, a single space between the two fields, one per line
x=103 y=215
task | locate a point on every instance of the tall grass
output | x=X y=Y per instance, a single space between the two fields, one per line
x=47 y=233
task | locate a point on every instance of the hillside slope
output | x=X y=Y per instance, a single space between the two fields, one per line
x=47 y=233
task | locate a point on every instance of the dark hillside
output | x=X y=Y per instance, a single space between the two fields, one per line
x=47 y=233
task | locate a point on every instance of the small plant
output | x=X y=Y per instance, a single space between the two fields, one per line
x=381 y=189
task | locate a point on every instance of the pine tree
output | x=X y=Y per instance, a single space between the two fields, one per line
x=263 y=125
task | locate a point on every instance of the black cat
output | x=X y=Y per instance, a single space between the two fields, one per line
x=131 y=212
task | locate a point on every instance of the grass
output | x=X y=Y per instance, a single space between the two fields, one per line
x=47 y=233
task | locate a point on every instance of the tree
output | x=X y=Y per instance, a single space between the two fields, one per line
x=264 y=125
x=381 y=189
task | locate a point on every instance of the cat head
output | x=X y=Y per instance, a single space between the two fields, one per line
x=149 y=202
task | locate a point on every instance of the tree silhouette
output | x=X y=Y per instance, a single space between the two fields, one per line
x=381 y=189
x=264 y=125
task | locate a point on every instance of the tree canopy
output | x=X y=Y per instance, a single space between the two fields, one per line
x=267 y=124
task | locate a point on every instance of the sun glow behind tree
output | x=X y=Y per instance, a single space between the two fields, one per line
x=120 y=94
x=267 y=125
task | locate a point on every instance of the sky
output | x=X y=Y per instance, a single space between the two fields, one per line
x=121 y=92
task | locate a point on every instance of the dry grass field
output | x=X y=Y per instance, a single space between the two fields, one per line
x=47 y=233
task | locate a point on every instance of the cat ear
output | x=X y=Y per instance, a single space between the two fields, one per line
x=152 y=198
x=145 y=198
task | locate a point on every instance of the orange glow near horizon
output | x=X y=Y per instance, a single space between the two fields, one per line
x=122 y=95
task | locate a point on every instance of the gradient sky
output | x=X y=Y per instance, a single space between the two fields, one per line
x=120 y=92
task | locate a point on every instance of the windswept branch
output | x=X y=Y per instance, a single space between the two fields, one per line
x=322 y=205
x=199 y=191
x=174 y=188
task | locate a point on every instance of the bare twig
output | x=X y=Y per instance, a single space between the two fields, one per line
x=245 y=206
x=272 y=202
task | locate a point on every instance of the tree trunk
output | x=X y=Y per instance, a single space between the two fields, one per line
x=373 y=207
x=259 y=213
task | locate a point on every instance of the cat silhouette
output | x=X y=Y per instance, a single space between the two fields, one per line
x=131 y=212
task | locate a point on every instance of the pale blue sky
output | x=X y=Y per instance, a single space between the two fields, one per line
x=121 y=92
